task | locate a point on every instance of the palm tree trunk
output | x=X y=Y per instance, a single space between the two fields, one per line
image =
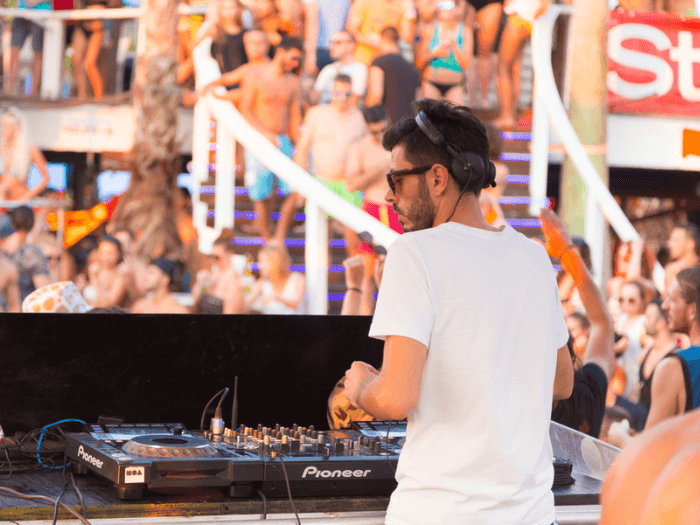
x=146 y=208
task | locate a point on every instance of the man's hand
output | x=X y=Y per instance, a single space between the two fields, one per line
x=356 y=379
x=353 y=272
x=556 y=237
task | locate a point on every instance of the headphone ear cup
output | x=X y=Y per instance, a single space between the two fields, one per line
x=491 y=181
x=460 y=171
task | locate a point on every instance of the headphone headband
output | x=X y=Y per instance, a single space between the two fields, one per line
x=463 y=163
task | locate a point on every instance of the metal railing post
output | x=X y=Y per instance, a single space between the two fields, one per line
x=225 y=177
x=539 y=144
x=316 y=256
x=200 y=165
x=52 y=60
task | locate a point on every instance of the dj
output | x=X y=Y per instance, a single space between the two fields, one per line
x=475 y=338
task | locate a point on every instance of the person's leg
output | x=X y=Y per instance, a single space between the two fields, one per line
x=38 y=47
x=20 y=31
x=489 y=18
x=262 y=209
x=456 y=95
x=78 y=60
x=512 y=43
x=287 y=211
x=93 y=51
x=430 y=91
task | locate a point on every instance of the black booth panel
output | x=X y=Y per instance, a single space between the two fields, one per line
x=164 y=368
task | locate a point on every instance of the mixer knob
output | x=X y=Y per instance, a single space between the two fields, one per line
x=284 y=447
x=177 y=431
x=302 y=439
x=277 y=427
x=294 y=427
x=295 y=445
x=326 y=452
x=339 y=447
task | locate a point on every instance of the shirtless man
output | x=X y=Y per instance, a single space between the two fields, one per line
x=270 y=102
x=257 y=48
x=365 y=170
x=105 y=282
x=328 y=131
x=219 y=289
x=157 y=279
x=682 y=246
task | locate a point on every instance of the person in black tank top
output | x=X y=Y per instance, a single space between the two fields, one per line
x=227 y=37
x=665 y=344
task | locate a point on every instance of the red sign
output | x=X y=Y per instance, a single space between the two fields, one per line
x=654 y=63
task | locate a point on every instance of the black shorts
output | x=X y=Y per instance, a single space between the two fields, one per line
x=22 y=28
x=480 y=4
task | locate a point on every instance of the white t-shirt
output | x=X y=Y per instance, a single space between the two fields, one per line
x=357 y=72
x=486 y=305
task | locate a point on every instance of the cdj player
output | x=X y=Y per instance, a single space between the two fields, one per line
x=359 y=462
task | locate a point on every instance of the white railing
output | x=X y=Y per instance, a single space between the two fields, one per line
x=547 y=105
x=319 y=199
x=54 y=35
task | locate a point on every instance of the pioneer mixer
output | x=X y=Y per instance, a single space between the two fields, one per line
x=330 y=463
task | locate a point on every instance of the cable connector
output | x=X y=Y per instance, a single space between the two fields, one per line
x=217 y=423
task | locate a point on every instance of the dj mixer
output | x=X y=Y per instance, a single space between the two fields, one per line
x=358 y=462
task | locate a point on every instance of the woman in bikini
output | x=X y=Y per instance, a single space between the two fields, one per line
x=17 y=154
x=445 y=52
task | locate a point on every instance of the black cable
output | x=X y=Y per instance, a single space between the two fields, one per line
x=8 y=461
x=264 y=499
x=83 y=507
x=44 y=498
x=58 y=500
x=223 y=391
x=289 y=489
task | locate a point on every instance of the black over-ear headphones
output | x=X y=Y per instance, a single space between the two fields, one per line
x=463 y=162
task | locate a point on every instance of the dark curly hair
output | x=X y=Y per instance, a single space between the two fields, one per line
x=459 y=127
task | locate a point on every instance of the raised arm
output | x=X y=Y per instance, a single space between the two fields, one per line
x=599 y=349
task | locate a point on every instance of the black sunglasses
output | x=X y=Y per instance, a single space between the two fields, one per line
x=392 y=175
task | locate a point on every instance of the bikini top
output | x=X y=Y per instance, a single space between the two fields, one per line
x=451 y=61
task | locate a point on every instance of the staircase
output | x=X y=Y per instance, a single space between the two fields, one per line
x=514 y=203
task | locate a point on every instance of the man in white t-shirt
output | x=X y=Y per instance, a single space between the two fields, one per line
x=475 y=338
x=342 y=51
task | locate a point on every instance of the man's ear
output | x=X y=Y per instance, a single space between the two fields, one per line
x=438 y=179
x=691 y=313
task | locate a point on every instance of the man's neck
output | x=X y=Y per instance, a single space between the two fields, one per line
x=346 y=60
x=664 y=340
x=467 y=211
x=694 y=334
x=276 y=68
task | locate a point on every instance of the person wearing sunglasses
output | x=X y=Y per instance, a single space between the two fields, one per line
x=342 y=51
x=327 y=132
x=474 y=337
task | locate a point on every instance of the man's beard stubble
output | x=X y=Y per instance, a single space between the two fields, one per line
x=420 y=215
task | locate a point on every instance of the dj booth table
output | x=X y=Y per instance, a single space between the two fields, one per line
x=148 y=369
x=577 y=504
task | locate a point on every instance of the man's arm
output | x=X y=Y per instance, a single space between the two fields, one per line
x=310 y=35
x=375 y=87
x=668 y=396
x=11 y=287
x=392 y=393
x=564 y=376
x=303 y=146
x=295 y=115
